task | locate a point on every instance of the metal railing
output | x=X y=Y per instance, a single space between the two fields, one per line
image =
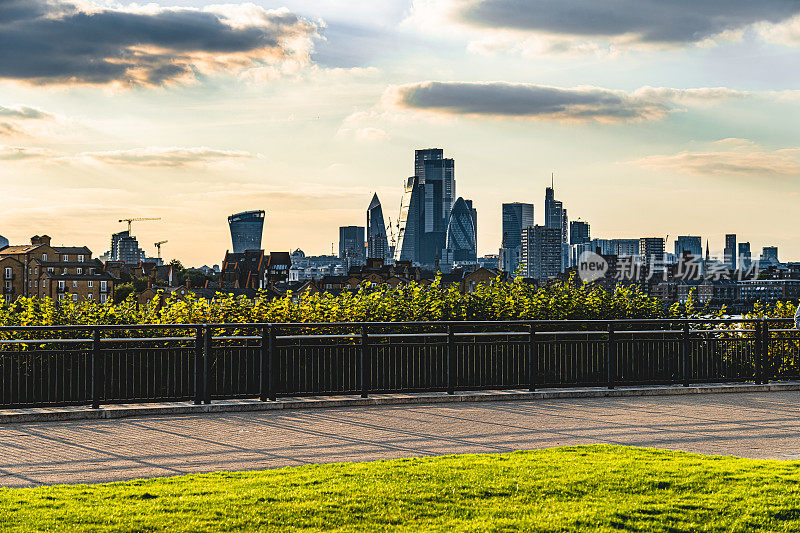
x=76 y=365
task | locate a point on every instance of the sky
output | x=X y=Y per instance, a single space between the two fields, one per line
x=657 y=118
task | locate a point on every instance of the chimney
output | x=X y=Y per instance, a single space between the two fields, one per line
x=40 y=239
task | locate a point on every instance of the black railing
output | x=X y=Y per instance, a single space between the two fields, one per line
x=77 y=365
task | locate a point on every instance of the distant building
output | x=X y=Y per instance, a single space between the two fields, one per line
x=730 y=251
x=3 y=242
x=769 y=255
x=625 y=247
x=516 y=217
x=246 y=230
x=541 y=252
x=651 y=250
x=425 y=208
x=744 y=256
x=687 y=244
x=125 y=248
x=351 y=245
x=461 y=235
x=377 y=242
x=579 y=232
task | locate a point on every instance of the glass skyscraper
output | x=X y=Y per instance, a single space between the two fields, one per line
x=377 y=243
x=516 y=217
x=246 y=230
x=690 y=244
x=425 y=209
x=461 y=232
x=351 y=245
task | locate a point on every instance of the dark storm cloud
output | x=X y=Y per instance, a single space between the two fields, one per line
x=58 y=43
x=526 y=100
x=653 y=21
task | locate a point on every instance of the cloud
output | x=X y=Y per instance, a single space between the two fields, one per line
x=57 y=42
x=15 y=120
x=525 y=100
x=154 y=156
x=637 y=21
x=728 y=157
x=164 y=157
x=19 y=153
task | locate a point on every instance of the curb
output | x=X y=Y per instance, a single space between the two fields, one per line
x=55 y=414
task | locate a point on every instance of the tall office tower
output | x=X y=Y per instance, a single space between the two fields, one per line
x=351 y=245
x=411 y=205
x=744 y=257
x=651 y=249
x=541 y=252
x=730 y=251
x=425 y=210
x=428 y=154
x=624 y=247
x=769 y=256
x=555 y=216
x=689 y=244
x=461 y=242
x=579 y=232
x=246 y=230
x=377 y=242
x=516 y=217
x=3 y=242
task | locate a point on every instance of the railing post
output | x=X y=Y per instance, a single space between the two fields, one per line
x=263 y=376
x=532 y=359
x=757 y=356
x=97 y=372
x=611 y=366
x=273 y=364
x=685 y=345
x=363 y=361
x=206 y=357
x=198 y=365
x=451 y=360
x=766 y=359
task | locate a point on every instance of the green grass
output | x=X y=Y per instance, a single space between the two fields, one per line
x=585 y=487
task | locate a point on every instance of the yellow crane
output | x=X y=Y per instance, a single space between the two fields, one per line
x=129 y=220
x=158 y=247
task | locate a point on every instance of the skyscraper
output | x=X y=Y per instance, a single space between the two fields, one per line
x=769 y=255
x=461 y=243
x=744 y=258
x=555 y=216
x=246 y=230
x=690 y=244
x=351 y=245
x=377 y=243
x=730 y=251
x=516 y=217
x=541 y=252
x=425 y=209
x=579 y=232
x=651 y=250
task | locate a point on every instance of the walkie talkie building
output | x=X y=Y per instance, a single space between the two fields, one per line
x=246 y=230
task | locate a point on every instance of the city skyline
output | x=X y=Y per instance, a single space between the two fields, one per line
x=650 y=130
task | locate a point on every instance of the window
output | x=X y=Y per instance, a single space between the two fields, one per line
x=65 y=258
x=44 y=257
x=44 y=283
x=80 y=259
x=8 y=273
x=90 y=283
x=36 y=271
x=36 y=284
x=30 y=271
x=51 y=269
x=80 y=270
x=104 y=286
x=61 y=284
x=90 y=296
x=74 y=283
x=61 y=297
x=103 y=298
x=74 y=297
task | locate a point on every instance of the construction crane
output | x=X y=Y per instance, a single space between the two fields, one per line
x=391 y=233
x=158 y=247
x=129 y=220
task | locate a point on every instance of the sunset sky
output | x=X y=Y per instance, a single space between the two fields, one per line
x=658 y=117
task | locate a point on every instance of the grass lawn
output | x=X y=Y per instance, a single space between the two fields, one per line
x=583 y=487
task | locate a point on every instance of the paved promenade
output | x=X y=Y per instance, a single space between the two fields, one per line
x=759 y=425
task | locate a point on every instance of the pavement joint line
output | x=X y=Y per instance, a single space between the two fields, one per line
x=113 y=411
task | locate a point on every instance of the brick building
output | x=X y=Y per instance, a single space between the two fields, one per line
x=62 y=273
